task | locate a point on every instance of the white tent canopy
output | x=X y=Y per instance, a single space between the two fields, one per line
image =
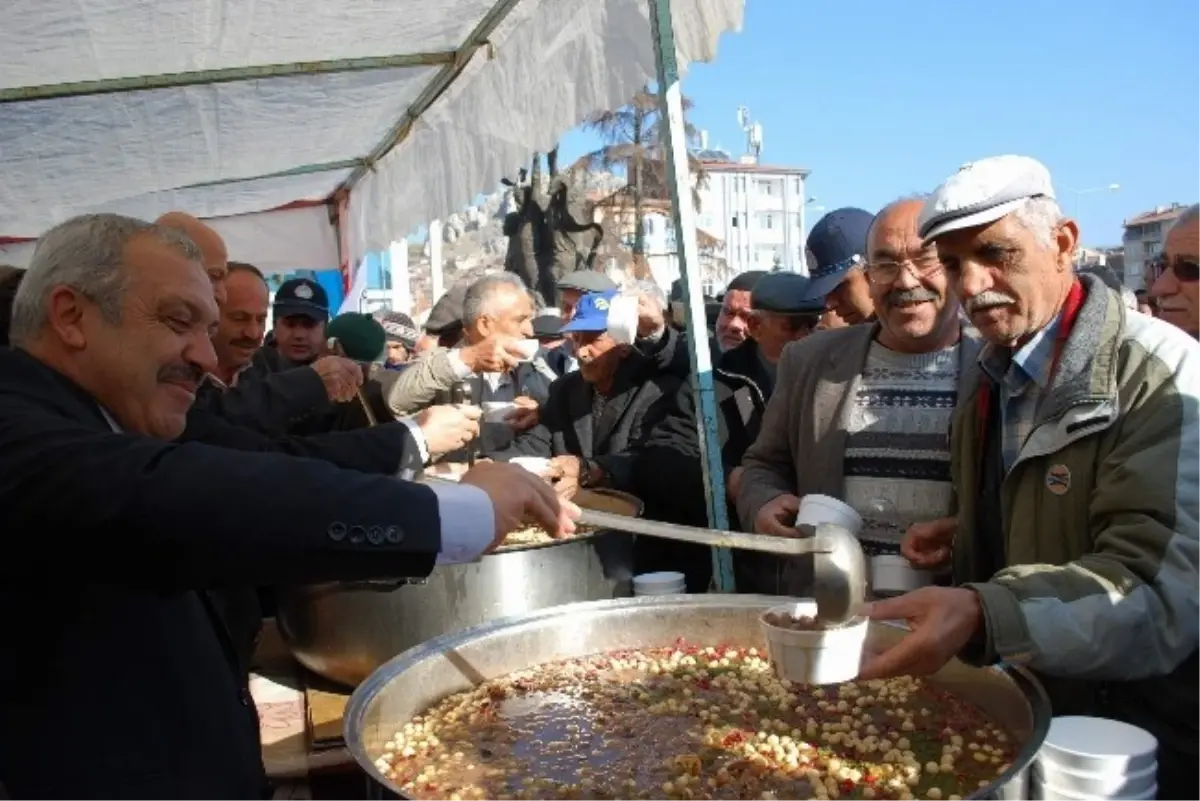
x=403 y=110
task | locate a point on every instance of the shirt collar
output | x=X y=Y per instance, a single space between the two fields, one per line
x=1033 y=361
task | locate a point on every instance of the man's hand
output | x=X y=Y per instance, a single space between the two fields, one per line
x=525 y=416
x=341 y=377
x=564 y=474
x=650 y=317
x=519 y=498
x=778 y=517
x=448 y=428
x=942 y=621
x=734 y=485
x=493 y=355
x=927 y=545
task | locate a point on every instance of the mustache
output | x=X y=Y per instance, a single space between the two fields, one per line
x=249 y=344
x=902 y=297
x=181 y=374
x=986 y=300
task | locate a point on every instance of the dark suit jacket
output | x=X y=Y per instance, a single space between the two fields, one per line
x=271 y=396
x=109 y=538
x=640 y=399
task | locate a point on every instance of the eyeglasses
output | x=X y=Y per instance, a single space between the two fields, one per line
x=886 y=272
x=1186 y=270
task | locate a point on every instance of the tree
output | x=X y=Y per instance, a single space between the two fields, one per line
x=634 y=141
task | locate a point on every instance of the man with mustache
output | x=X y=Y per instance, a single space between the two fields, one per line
x=121 y=630
x=1076 y=460
x=1174 y=277
x=836 y=254
x=733 y=321
x=862 y=413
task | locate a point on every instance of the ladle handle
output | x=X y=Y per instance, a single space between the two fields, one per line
x=785 y=546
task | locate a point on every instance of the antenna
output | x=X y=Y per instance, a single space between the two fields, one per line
x=753 y=131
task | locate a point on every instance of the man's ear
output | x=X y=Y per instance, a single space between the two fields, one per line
x=65 y=309
x=1066 y=239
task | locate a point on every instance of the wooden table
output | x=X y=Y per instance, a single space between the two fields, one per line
x=299 y=719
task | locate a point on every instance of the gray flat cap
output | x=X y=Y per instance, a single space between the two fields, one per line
x=586 y=281
x=784 y=293
x=447 y=313
x=982 y=192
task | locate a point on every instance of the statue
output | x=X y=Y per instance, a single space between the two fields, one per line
x=540 y=230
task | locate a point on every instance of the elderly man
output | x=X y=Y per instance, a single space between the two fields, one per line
x=862 y=413
x=402 y=336
x=836 y=251
x=150 y=522
x=213 y=254
x=595 y=415
x=668 y=473
x=733 y=321
x=1075 y=460
x=1173 y=277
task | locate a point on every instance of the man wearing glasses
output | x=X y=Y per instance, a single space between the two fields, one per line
x=1173 y=276
x=862 y=413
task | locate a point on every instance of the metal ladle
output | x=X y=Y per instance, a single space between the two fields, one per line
x=839 y=566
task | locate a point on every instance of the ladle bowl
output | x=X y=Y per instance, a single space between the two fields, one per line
x=839 y=574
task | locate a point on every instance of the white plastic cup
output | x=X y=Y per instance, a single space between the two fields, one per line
x=1051 y=793
x=827 y=656
x=496 y=411
x=528 y=348
x=1097 y=745
x=1114 y=784
x=894 y=574
x=667 y=582
x=534 y=464
x=818 y=509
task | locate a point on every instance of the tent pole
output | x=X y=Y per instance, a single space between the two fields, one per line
x=670 y=101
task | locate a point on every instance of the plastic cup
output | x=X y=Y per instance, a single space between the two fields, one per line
x=894 y=574
x=1097 y=746
x=496 y=411
x=818 y=509
x=534 y=464
x=824 y=656
x=1115 y=784
x=666 y=582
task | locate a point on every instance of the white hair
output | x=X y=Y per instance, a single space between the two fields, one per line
x=651 y=290
x=1189 y=215
x=1040 y=216
x=477 y=300
x=86 y=254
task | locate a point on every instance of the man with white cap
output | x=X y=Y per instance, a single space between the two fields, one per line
x=1075 y=464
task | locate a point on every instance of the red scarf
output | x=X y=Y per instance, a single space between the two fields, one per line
x=1070 y=312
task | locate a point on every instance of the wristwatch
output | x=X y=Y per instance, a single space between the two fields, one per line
x=585 y=472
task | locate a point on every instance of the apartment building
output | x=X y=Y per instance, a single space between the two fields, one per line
x=1143 y=240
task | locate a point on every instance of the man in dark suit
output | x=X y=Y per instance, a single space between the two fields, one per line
x=596 y=415
x=114 y=530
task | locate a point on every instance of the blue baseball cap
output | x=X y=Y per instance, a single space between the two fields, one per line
x=591 y=313
x=836 y=244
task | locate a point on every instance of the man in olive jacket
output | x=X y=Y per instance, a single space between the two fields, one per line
x=1075 y=461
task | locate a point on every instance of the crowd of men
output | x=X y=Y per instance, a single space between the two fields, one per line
x=943 y=367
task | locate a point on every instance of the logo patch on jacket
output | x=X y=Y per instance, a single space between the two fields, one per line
x=1058 y=479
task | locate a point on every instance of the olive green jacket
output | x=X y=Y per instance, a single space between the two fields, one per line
x=1101 y=582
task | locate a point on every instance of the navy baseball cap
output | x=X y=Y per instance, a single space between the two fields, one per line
x=837 y=244
x=591 y=313
x=301 y=297
x=784 y=293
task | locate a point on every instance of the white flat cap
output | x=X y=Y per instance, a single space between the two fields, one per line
x=982 y=192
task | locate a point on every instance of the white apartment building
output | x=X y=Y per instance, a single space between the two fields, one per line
x=1143 y=240
x=757 y=211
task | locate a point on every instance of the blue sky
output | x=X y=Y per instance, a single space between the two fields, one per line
x=883 y=99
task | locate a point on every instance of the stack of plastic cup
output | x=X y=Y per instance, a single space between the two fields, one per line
x=664 y=583
x=1086 y=757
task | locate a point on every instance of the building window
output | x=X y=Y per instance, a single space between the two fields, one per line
x=799 y=186
x=734 y=221
x=765 y=187
x=768 y=221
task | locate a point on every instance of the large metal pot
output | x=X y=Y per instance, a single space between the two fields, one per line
x=345 y=631
x=413 y=681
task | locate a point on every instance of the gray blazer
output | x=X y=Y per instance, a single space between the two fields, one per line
x=801 y=445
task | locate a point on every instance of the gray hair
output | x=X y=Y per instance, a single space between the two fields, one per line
x=479 y=294
x=1040 y=216
x=1189 y=215
x=86 y=254
x=650 y=290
